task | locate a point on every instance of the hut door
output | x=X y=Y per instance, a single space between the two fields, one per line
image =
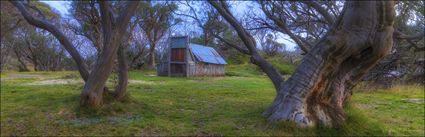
x=178 y=64
x=177 y=55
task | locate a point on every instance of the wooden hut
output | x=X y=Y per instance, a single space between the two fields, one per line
x=187 y=59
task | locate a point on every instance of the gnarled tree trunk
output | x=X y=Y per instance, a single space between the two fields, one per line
x=322 y=83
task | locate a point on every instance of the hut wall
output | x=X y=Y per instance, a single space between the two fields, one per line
x=191 y=69
x=204 y=69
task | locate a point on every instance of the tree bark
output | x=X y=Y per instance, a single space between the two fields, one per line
x=121 y=89
x=152 y=55
x=322 y=83
x=92 y=94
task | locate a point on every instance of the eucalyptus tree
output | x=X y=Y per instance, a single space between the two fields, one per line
x=10 y=23
x=87 y=22
x=401 y=65
x=304 y=22
x=307 y=21
x=320 y=86
x=156 y=19
x=137 y=51
x=268 y=41
x=37 y=47
x=88 y=18
x=114 y=24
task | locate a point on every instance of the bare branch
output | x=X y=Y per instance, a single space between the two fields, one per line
x=250 y=44
x=244 y=51
x=228 y=43
x=400 y=35
x=125 y=16
x=329 y=19
x=243 y=34
x=283 y=27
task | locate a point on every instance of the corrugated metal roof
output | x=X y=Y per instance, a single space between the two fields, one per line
x=206 y=54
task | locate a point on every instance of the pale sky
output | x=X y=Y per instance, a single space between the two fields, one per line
x=63 y=6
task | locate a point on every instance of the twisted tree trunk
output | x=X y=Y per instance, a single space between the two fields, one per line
x=322 y=83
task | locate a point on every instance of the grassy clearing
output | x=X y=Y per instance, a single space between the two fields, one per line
x=229 y=105
x=400 y=109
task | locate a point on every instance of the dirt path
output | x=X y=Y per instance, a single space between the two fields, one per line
x=22 y=76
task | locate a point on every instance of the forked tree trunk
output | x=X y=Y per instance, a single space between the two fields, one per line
x=113 y=27
x=322 y=83
x=92 y=94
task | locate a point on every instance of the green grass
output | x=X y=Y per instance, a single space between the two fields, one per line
x=400 y=109
x=283 y=67
x=230 y=105
x=243 y=70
